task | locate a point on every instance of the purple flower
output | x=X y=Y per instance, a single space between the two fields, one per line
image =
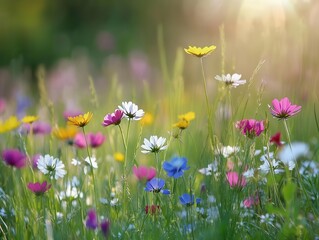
x=105 y=227
x=14 y=157
x=176 y=167
x=156 y=185
x=91 y=220
x=113 y=118
x=188 y=200
x=71 y=113
x=96 y=140
x=39 y=188
x=250 y=127
x=283 y=109
x=3 y=105
x=37 y=128
x=35 y=159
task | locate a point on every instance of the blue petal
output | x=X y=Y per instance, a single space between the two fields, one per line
x=165 y=191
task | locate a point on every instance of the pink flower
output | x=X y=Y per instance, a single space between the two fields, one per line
x=3 y=105
x=283 y=109
x=276 y=139
x=96 y=140
x=144 y=173
x=113 y=118
x=236 y=181
x=14 y=158
x=39 y=188
x=250 y=127
x=249 y=202
x=79 y=140
x=71 y=113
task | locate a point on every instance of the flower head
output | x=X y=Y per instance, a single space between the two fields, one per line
x=113 y=118
x=188 y=199
x=29 y=119
x=227 y=151
x=131 y=111
x=184 y=120
x=79 y=140
x=67 y=133
x=200 y=52
x=51 y=166
x=231 y=80
x=283 y=109
x=96 y=140
x=118 y=156
x=80 y=120
x=276 y=139
x=14 y=158
x=147 y=119
x=39 y=188
x=176 y=167
x=250 y=127
x=105 y=227
x=154 y=145
x=289 y=154
x=251 y=201
x=156 y=185
x=144 y=173
x=10 y=124
x=91 y=220
x=234 y=180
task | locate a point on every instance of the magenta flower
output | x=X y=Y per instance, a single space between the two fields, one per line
x=276 y=139
x=251 y=201
x=79 y=140
x=3 y=105
x=144 y=173
x=91 y=220
x=96 y=140
x=113 y=118
x=234 y=180
x=34 y=162
x=250 y=127
x=37 y=128
x=283 y=109
x=39 y=188
x=14 y=158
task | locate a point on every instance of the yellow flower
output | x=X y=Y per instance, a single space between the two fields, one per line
x=147 y=119
x=184 y=120
x=29 y=119
x=80 y=120
x=200 y=52
x=65 y=133
x=10 y=124
x=118 y=156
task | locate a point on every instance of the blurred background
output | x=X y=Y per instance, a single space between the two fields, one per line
x=74 y=40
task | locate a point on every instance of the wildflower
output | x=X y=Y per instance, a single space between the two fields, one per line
x=156 y=185
x=144 y=173
x=200 y=52
x=231 y=80
x=80 y=120
x=96 y=140
x=269 y=164
x=227 y=151
x=267 y=218
x=91 y=220
x=71 y=192
x=113 y=118
x=176 y=167
x=152 y=209
x=114 y=202
x=283 y=109
x=91 y=162
x=10 y=124
x=14 y=158
x=309 y=168
x=290 y=153
x=184 y=120
x=3 y=105
x=276 y=139
x=251 y=201
x=234 y=180
x=105 y=227
x=212 y=167
x=67 y=133
x=249 y=173
x=39 y=188
x=147 y=119
x=188 y=199
x=29 y=119
x=250 y=127
x=154 y=145
x=79 y=140
x=35 y=159
x=131 y=111
x=118 y=156
x=52 y=166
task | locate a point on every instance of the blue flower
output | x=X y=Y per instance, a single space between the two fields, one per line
x=156 y=185
x=188 y=200
x=176 y=167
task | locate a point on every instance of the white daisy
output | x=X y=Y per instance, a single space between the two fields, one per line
x=52 y=166
x=131 y=111
x=154 y=145
x=227 y=151
x=231 y=80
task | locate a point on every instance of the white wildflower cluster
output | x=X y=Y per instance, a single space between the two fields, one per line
x=227 y=151
x=211 y=168
x=88 y=163
x=71 y=192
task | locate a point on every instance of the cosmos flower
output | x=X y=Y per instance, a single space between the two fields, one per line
x=283 y=109
x=231 y=80
x=39 y=188
x=113 y=118
x=154 y=145
x=80 y=120
x=131 y=111
x=235 y=180
x=176 y=167
x=200 y=52
x=144 y=173
x=52 y=166
x=14 y=158
x=79 y=140
x=250 y=127
x=156 y=185
x=96 y=140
